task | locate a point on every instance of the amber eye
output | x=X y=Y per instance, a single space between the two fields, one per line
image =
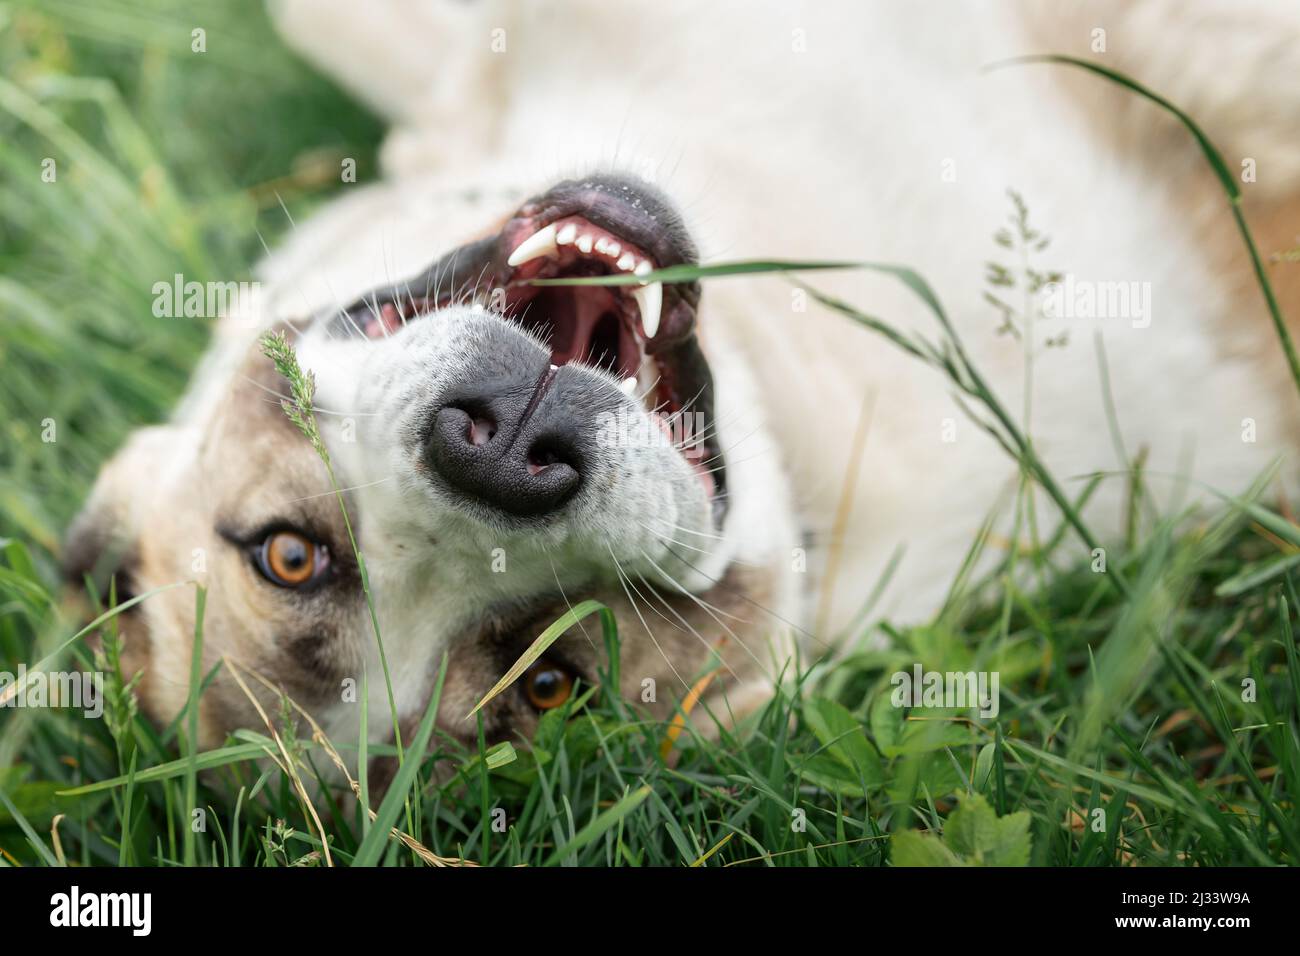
x=547 y=686
x=291 y=560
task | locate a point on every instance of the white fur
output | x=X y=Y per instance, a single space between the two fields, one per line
x=834 y=152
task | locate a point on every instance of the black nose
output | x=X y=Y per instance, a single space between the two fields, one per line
x=518 y=443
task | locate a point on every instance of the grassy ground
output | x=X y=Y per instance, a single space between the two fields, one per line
x=1126 y=734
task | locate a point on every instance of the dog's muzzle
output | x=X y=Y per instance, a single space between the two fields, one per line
x=521 y=437
x=517 y=435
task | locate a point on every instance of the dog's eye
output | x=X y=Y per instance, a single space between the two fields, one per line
x=290 y=560
x=547 y=686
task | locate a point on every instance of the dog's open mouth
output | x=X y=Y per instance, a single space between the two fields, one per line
x=607 y=326
x=642 y=333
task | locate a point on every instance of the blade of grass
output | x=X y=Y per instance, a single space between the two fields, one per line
x=300 y=411
x=192 y=722
x=37 y=843
x=12 y=689
x=376 y=841
x=601 y=823
x=1221 y=171
x=209 y=760
x=539 y=646
x=1289 y=648
x=689 y=273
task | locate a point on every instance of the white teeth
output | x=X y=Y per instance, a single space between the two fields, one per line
x=627 y=262
x=650 y=300
x=602 y=245
x=540 y=243
x=628 y=385
x=612 y=249
x=584 y=244
x=643 y=267
x=566 y=235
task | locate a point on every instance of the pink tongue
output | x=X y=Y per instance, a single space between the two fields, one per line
x=573 y=330
x=387 y=322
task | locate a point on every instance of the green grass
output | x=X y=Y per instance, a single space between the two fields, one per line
x=1122 y=691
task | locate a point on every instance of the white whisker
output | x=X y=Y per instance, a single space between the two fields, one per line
x=626 y=582
x=709 y=609
x=323 y=494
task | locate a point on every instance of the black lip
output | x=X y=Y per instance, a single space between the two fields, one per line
x=450 y=279
x=626 y=207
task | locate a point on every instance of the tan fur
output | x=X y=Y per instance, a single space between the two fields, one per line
x=252 y=465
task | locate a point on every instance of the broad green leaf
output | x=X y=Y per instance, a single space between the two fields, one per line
x=39 y=801
x=833 y=776
x=984 y=767
x=972 y=836
x=916 y=775
x=32 y=837
x=910 y=848
x=925 y=736
x=843 y=738
x=886 y=723
x=975 y=833
x=971 y=828
x=1013 y=844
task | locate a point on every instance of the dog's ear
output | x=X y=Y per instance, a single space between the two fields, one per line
x=102 y=541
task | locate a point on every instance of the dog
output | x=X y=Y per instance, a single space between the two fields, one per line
x=725 y=465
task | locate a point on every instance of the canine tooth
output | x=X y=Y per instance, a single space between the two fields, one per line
x=650 y=300
x=643 y=267
x=627 y=262
x=584 y=244
x=566 y=235
x=628 y=385
x=540 y=243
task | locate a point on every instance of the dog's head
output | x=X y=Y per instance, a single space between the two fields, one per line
x=498 y=451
